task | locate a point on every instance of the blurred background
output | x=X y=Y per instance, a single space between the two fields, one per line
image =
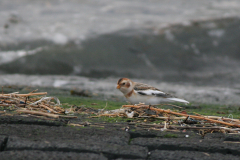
x=174 y=41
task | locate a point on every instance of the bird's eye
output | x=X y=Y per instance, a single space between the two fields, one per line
x=123 y=83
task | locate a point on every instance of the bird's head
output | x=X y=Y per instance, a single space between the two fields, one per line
x=125 y=85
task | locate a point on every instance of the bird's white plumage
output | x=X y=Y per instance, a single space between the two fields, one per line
x=151 y=92
x=138 y=92
x=178 y=100
x=147 y=99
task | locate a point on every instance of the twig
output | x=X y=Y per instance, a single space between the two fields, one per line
x=8 y=105
x=26 y=95
x=222 y=118
x=174 y=118
x=39 y=113
x=45 y=114
x=33 y=91
x=50 y=109
x=181 y=114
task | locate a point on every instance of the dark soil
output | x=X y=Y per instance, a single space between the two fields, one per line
x=24 y=137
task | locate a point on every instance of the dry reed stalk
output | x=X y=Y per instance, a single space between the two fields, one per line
x=45 y=114
x=174 y=118
x=26 y=95
x=39 y=113
x=33 y=91
x=46 y=107
x=8 y=105
x=222 y=118
x=181 y=114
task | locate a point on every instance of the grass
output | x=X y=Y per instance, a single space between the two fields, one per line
x=169 y=135
x=213 y=110
x=203 y=109
x=88 y=102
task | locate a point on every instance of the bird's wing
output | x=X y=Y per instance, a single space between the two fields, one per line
x=145 y=89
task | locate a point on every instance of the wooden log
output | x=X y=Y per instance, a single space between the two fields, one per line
x=182 y=114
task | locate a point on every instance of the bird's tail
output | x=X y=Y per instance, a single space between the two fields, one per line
x=178 y=100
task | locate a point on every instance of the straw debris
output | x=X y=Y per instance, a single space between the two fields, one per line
x=34 y=104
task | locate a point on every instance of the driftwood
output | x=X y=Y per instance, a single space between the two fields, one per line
x=181 y=114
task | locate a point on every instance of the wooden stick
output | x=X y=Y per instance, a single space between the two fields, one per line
x=45 y=114
x=39 y=113
x=8 y=105
x=46 y=107
x=26 y=95
x=4 y=97
x=181 y=114
x=33 y=91
x=175 y=118
x=222 y=118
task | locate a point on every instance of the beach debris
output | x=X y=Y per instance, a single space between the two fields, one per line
x=205 y=118
x=34 y=104
x=39 y=104
x=172 y=120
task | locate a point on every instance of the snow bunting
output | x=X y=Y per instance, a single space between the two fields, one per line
x=138 y=92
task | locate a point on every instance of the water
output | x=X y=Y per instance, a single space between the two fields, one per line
x=203 y=53
x=174 y=42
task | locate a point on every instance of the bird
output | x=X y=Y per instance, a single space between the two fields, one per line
x=136 y=93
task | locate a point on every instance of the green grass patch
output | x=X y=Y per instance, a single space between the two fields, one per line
x=203 y=109
x=113 y=119
x=169 y=135
x=211 y=110
x=67 y=101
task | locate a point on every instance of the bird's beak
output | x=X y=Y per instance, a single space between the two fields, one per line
x=118 y=86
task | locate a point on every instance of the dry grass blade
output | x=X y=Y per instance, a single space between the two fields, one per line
x=26 y=95
x=35 y=105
